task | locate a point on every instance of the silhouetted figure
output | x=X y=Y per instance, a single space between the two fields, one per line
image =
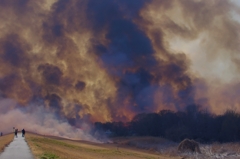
x=1 y=134
x=23 y=132
x=16 y=131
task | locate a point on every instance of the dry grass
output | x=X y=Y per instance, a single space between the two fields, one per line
x=189 y=145
x=5 y=140
x=215 y=150
x=166 y=147
x=154 y=145
x=47 y=147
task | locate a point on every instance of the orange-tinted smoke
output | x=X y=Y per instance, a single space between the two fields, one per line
x=109 y=60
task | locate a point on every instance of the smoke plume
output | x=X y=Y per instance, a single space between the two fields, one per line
x=108 y=60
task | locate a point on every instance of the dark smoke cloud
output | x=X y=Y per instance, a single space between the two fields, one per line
x=51 y=74
x=80 y=85
x=18 y=6
x=129 y=56
x=105 y=60
x=14 y=50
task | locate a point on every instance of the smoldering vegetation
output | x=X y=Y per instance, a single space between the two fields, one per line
x=176 y=126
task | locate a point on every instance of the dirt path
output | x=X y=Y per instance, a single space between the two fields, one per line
x=18 y=148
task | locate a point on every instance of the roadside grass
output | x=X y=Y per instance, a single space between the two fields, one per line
x=49 y=156
x=51 y=148
x=5 y=140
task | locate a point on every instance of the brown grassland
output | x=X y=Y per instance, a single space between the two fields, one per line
x=49 y=147
x=45 y=147
x=5 y=140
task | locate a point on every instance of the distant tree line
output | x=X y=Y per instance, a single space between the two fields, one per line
x=176 y=126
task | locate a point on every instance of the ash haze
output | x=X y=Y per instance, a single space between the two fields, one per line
x=77 y=61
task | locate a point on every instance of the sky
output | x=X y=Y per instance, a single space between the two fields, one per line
x=81 y=61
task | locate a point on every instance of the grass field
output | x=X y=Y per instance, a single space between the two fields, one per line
x=5 y=140
x=49 y=147
x=57 y=148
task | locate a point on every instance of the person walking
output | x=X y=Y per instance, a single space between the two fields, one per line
x=16 y=131
x=23 y=132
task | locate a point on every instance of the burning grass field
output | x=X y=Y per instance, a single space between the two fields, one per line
x=44 y=147
x=5 y=140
